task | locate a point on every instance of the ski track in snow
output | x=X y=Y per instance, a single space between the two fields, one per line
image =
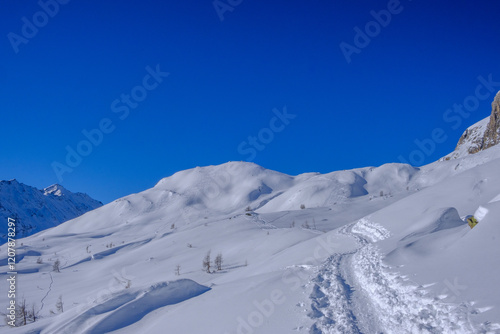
x=50 y=289
x=347 y=280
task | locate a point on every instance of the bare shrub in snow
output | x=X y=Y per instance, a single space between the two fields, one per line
x=218 y=261
x=56 y=267
x=24 y=314
x=60 y=305
x=206 y=262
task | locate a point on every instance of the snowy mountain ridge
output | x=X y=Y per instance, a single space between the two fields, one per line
x=36 y=210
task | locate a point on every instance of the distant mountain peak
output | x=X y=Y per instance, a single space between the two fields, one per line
x=36 y=210
x=55 y=189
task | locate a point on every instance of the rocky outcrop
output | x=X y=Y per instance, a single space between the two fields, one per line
x=480 y=136
x=471 y=140
x=492 y=133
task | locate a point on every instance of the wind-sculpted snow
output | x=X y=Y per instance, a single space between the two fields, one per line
x=159 y=295
x=495 y=199
x=127 y=308
x=435 y=221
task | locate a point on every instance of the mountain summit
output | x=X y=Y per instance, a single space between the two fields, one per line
x=55 y=189
x=36 y=210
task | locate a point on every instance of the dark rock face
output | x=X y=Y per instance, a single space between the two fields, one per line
x=481 y=135
x=472 y=138
x=492 y=133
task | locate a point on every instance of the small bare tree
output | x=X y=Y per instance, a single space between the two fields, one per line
x=57 y=266
x=206 y=262
x=32 y=314
x=22 y=313
x=60 y=305
x=218 y=261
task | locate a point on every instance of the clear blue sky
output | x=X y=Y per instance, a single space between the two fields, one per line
x=76 y=69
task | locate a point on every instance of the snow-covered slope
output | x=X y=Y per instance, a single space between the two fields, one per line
x=372 y=250
x=36 y=210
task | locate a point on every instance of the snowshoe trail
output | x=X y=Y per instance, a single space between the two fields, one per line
x=332 y=304
x=355 y=292
x=331 y=300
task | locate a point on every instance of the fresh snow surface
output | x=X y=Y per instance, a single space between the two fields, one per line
x=375 y=250
x=36 y=210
